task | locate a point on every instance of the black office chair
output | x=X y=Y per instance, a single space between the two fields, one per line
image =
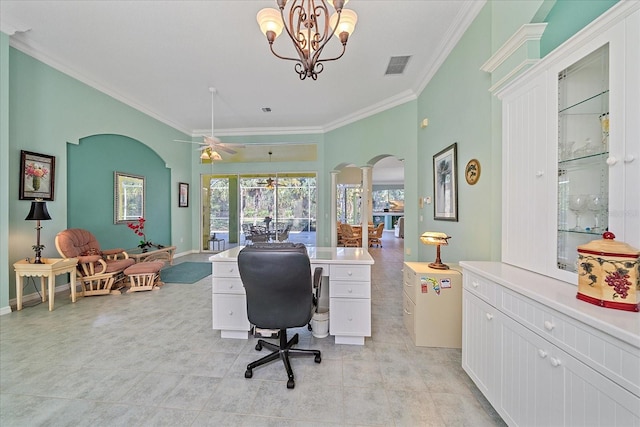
x=280 y=295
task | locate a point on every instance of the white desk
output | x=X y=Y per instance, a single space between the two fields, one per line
x=349 y=272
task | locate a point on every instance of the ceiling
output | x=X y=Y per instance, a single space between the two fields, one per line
x=162 y=57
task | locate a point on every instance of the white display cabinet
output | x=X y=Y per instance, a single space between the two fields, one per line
x=571 y=128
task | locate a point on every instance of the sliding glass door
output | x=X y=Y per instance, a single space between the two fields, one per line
x=284 y=201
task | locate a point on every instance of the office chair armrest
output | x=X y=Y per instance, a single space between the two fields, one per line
x=317 y=282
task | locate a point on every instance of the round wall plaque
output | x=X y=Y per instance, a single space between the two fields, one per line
x=472 y=171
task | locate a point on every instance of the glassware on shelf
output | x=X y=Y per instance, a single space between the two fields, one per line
x=604 y=125
x=578 y=205
x=597 y=204
x=566 y=150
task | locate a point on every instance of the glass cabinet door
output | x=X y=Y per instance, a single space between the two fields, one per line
x=583 y=147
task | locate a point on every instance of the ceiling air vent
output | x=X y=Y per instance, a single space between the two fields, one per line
x=266 y=109
x=397 y=65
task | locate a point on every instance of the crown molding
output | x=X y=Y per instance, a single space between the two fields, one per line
x=36 y=53
x=12 y=28
x=455 y=32
x=394 y=101
x=526 y=33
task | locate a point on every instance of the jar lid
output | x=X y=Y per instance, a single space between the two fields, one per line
x=607 y=246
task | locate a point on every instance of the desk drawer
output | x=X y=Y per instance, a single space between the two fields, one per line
x=350 y=272
x=227 y=285
x=225 y=269
x=350 y=317
x=349 y=289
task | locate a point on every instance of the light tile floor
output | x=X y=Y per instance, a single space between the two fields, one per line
x=151 y=358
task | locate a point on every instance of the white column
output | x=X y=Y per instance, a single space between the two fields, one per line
x=366 y=204
x=334 y=208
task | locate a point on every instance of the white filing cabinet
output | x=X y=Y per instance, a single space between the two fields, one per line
x=229 y=304
x=432 y=305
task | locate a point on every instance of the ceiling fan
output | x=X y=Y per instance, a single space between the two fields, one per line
x=210 y=145
x=269 y=183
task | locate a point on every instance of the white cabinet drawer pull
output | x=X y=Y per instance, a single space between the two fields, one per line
x=548 y=325
x=407 y=311
x=475 y=284
x=350 y=273
x=612 y=161
x=629 y=158
x=489 y=316
x=350 y=290
x=350 y=318
x=230 y=312
x=231 y=286
x=539 y=173
x=555 y=362
x=542 y=353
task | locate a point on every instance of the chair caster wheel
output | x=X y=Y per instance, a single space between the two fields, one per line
x=318 y=359
x=259 y=347
x=291 y=384
x=248 y=373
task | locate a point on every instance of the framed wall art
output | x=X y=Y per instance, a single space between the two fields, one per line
x=445 y=184
x=37 y=176
x=183 y=195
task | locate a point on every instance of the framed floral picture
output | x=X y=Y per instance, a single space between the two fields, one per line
x=183 y=195
x=445 y=184
x=37 y=176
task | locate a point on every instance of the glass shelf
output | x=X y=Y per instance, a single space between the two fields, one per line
x=591 y=105
x=583 y=149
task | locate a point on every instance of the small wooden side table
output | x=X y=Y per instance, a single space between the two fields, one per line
x=164 y=253
x=50 y=267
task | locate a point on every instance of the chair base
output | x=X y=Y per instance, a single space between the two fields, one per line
x=283 y=352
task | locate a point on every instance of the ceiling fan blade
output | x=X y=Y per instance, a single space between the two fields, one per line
x=224 y=148
x=189 y=142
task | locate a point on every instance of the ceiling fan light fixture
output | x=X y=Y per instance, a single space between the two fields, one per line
x=309 y=25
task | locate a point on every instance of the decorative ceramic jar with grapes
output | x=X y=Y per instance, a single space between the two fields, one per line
x=609 y=273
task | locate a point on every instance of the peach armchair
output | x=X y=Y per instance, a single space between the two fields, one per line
x=99 y=272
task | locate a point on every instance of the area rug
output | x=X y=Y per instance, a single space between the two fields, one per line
x=185 y=272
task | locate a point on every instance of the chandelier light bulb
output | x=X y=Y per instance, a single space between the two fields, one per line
x=348 y=20
x=269 y=19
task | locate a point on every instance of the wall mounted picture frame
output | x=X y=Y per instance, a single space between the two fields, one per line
x=472 y=171
x=183 y=195
x=445 y=184
x=128 y=197
x=37 y=176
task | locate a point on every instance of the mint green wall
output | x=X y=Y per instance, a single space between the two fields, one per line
x=48 y=110
x=92 y=177
x=458 y=105
x=567 y=17
x=4 y=173
x=391 y=133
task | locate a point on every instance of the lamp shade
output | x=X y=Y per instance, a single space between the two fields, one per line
x=434 y=238
x=38 y=211
x=348 y=20
x=269 y=19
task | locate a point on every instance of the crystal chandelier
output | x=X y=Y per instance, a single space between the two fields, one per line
x=310 y=27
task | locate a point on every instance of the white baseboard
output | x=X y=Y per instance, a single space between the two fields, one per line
x=29 y=298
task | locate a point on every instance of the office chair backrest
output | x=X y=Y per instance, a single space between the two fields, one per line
x=278 y=284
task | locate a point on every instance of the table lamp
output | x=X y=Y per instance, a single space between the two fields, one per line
x=38 y=213
x=437 y=239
